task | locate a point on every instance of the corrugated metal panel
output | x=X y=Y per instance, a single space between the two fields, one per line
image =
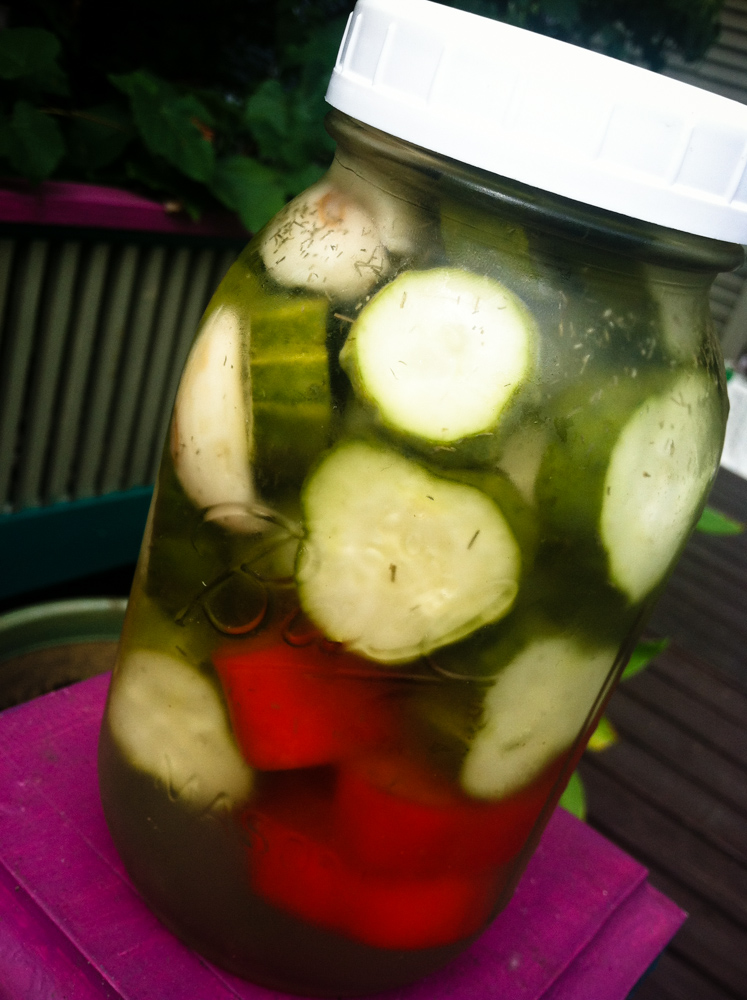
x=93 y=337
x=75 y=371
x=49 y=349
x=102 y=380
x=18 y=340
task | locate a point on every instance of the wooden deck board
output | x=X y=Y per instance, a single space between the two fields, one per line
x=708 y=685
x=704 y=606
x=692 y=716
x=663 y=739
x=687 y=803
x=673 y=979
x=673 y=791
x=649 y=831
x=711 y=940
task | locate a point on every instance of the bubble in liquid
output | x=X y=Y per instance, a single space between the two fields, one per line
x=301 y=631
x=238 y=604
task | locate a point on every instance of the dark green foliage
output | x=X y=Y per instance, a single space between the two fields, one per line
x=171 y=125
x=643 y=31
x=713 y=522
x=31 y=141
x=642 y=655
x=221 y=104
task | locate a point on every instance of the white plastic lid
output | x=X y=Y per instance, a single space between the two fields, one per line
x=553 y=115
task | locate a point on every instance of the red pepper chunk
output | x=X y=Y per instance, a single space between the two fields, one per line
x=397 y=816
x=297 y=865
x=300 y=706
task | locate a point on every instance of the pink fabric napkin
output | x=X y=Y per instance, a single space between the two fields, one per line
x=583 y=924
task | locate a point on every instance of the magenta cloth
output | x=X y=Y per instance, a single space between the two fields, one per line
x=584 y=924
x=61 y=203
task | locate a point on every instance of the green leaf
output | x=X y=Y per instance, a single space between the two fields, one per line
x=254 y=191
x=170 y=123
x=298 y=180
x=604 y=736
x=564 y=12
x=98 y=135
x=713 y=522
x=34 y=143
x=163 y=179
x=287 y=122
x=267 y=117
x=6 y=136
x=642 y=655
x=268 y=105
x=573 y=799
x=27 y=52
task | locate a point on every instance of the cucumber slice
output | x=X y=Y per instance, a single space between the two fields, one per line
x=659 y=473
x=405 y=227
x=521 y=458
x=491 y=243
x=291 y=396
x=397 y=561
x=533 y=712
x=628 y=470
x=169 y=721
x=440 y=353
x=324 y=241
x=211 y=426
x=519 y=515
x=683 y=317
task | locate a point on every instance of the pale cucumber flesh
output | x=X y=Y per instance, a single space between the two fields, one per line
x=396 y=561
x=533 y=712
x=169 y=721
x=440 y=353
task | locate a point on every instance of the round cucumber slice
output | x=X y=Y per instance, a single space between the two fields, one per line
x=324 y=241
x=211 y=425
x=169 y=721
x=659 y=472
x=627 y=471
x=440 y=353
x=533 y=712
x=397 y=561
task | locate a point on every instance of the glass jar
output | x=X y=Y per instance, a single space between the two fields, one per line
x=437 y=446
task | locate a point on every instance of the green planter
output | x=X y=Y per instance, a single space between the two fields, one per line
x=47 y=646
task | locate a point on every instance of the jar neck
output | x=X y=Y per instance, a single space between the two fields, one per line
x=579 y=226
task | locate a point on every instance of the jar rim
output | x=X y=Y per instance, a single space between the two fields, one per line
x=566 y=218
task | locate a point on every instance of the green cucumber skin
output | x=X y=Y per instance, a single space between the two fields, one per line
x=585 y=426
x=588 y=422
x=300 y=380
x=288 y=371
x=289 y=438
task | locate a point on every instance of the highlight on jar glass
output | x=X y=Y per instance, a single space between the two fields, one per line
x=444 y=429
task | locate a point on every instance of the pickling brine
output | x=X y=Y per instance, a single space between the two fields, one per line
x=434 y=452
